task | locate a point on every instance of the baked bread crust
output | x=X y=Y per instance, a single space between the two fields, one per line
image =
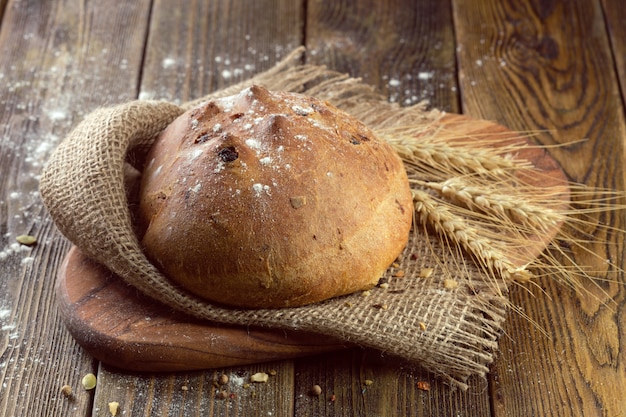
x=272 y=199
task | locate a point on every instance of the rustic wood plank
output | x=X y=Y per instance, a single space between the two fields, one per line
x=193 y=49
x=547 y=66
x=59 y=60
x=366 y=383
x=3 y=5
x=201 y=47
x=406 y=50
x=402 y=47
x=615 y=16
x=198 y=393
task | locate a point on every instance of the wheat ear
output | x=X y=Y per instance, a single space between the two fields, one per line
x=463 y=160
x=432 y=145
x=469 y=187
x=535 y=216
x=437 y=215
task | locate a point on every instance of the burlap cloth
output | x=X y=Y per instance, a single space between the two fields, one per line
x=450 y=331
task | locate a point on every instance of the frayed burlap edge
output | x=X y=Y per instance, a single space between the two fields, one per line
x=450 y=331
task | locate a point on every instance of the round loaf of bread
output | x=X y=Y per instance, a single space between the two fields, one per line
x=272 y=199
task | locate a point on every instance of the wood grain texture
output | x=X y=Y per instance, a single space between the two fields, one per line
x=59 y=60
x=402 y=47
x=3 y=5
x=366 y=383
x=615 y=16
x=197 y=393
x=197 y=47
x=547 y=66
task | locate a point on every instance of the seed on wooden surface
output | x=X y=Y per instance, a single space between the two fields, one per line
x=259 y=377
x=423 y=385
x=316 y=390
x=114 y=407
x=222 y=379
x=272 y=372
x=66 y=390
x=89 y=381
x=184 y=388
x=26 y=240
x=368 y=382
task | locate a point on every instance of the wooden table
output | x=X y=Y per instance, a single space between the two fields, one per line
x=551 y=67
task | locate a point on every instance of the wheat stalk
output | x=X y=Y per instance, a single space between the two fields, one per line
x=470 y=187
x=433 y=145
x=502 y=202
x=437 y=215
x=447 y=158
x=479 y=208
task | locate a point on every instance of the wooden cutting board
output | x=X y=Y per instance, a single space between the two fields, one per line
x=118 y=326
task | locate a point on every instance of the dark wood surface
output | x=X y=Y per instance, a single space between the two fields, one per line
x=554 y=67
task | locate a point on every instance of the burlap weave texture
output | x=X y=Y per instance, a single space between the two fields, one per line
x=452 y=332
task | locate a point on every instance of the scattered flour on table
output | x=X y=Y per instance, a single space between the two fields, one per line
x=15 y=249
x=425 y=75
x=168 y=63
x=236 y=380
x=410 y=89
x=6 y=326
x=34 y=128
